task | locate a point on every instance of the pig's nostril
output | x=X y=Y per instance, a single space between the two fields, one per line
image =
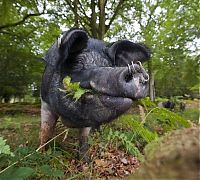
x=136 y=68
x=146 y=78
x=128 y=77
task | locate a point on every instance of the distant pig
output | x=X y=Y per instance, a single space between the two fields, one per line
x=113 y=73
x=169 y=105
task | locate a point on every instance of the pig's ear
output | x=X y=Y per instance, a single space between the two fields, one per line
x=69 y=43
x=123 y=52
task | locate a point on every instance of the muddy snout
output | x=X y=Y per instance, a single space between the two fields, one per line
x=136 y=79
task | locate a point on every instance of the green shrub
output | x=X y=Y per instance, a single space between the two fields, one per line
x=161 y=120
x=17 y=173
x=137 y=128
x=122 y=139
x=4 y=148
x=27 y=163
x=147 y=103
x=191 y=114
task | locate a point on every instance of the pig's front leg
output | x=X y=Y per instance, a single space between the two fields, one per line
x=83 y=143
x=48 y=123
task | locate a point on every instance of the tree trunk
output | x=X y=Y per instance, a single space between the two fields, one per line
x=93 y=21
x=101 y=31
x=151 y=82
x=76 y=14
x=6 y=99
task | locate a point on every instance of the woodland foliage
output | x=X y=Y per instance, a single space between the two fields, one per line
x=28 y=28
x=169 y=28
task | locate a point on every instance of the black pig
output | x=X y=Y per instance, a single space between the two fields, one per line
x=169 y=105
x=114 y=74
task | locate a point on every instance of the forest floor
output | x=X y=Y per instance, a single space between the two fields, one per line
x=20 y=124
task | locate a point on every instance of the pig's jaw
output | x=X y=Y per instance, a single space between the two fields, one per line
x=92 y=109
x=115 y=105
x=119 y=103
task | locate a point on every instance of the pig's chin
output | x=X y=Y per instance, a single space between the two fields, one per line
x=121 y=102
x=118 y=104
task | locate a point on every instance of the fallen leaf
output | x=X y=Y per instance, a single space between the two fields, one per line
x=124 y=161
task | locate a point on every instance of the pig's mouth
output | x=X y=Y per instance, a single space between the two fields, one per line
x=116 y=88
x=119 y=104
x=136 y=91
x=108 y=96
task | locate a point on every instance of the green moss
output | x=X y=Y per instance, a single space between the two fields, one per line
x=162 y=120
x=174 y=156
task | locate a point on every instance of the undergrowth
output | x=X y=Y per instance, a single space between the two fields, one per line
x=37 y=165
x=162 y=120
x=118 y=138
x=191 y=114
x=129 y=133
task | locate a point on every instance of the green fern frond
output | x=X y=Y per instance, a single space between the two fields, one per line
x=126 y=142
x=166 y=120
x=138 y=128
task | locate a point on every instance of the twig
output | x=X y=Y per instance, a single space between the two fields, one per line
x=142 y=113
x=148 y=115
x=66 y=130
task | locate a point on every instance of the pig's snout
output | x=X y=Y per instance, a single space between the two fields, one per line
x=128 y=82
x=136 y=68
x=133 y=81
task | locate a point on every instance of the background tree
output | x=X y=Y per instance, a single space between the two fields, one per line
x=97 y=16
x=20 y=26
x=169 y=28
